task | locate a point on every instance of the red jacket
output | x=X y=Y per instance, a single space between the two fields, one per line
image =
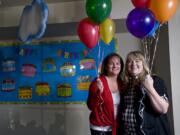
x=101 y=106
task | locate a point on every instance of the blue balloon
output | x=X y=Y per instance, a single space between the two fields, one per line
x=153 y=31
x=140 y=21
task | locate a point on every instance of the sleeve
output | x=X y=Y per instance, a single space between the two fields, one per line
x=160 y=87
x=93 y=99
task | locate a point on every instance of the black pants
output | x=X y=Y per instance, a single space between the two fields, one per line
x=94 y=132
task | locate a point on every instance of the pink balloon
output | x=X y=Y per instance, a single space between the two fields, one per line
x=88 y=32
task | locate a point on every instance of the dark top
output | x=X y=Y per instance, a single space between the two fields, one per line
x=148 y=121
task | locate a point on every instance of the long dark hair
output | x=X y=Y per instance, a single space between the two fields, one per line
x=106 y=61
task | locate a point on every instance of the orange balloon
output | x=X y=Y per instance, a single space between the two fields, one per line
x=163 y=9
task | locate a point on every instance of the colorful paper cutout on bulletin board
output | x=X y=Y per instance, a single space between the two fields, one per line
x=49 y=72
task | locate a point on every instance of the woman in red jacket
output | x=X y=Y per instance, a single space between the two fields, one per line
x=104 y=96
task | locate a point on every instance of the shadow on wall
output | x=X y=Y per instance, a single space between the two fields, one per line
x=4 y=126
x=46 y=120
x=57 y=128
x=10 y=125
x=32 y=129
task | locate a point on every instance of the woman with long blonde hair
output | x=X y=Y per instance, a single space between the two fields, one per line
x=144 y=102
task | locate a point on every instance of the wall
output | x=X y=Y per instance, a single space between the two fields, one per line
x=63 y=12
x=44 y=119
x=38 y=118
x=174 y=49
x=55 y=119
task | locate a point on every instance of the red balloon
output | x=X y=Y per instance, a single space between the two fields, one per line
x=88 y=32
x=141 y=3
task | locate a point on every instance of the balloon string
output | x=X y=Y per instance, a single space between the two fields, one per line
x=144 y=44
x=146 y=50
x=150 y=41
x=96 y=64
x=101 y=108
x=155 y=48
x=100 y=58
x=99 y=55
x=99 y=52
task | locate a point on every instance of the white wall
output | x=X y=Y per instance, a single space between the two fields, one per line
x=63 y=12
x=127 y=43
x=70 y=119
x=44 y=115
x=174 y=49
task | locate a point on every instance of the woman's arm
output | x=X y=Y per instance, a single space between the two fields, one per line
x=95 y=89
x=158 y=102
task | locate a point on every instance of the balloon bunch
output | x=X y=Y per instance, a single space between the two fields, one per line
x=145 y=20
x=147 y=15
x=97 y=24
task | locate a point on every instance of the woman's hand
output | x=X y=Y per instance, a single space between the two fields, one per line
x=148 y=83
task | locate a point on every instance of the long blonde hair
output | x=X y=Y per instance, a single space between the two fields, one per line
x=132 y=56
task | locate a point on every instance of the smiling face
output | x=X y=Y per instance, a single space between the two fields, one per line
x=114 y=66
x=134 y=66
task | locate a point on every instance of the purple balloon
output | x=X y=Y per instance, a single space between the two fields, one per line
x=140 y=21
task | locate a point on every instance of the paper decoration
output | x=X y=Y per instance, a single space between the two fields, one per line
x=33 y=21
x=67 y=69
x=28 y=70
x=64 y=90
x=8 y=85
x=48 y=65
x=86 y=64
x=42 y=89
x=84 y=82
x=8 y=65
x=25 y=92
x=40 y=72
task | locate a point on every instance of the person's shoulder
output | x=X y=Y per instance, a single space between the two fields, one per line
x=158 y=81
x=156 y=77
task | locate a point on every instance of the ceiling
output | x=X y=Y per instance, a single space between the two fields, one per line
x=9 y=3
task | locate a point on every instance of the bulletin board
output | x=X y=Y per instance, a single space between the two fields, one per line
x=49 y=72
